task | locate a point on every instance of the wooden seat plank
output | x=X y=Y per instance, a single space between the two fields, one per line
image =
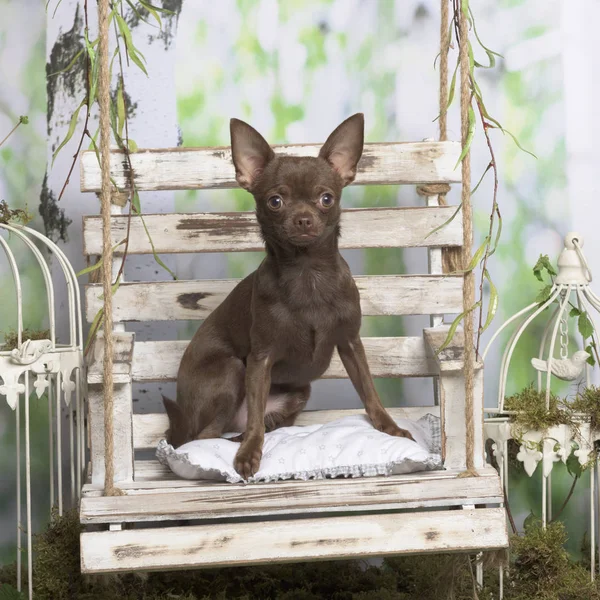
x=355 y=536
x=290 y=498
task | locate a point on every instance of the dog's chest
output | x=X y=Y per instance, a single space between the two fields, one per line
x=308 y=336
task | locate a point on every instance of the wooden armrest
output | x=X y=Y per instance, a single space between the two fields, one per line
x=451 y=358
x=122 y=358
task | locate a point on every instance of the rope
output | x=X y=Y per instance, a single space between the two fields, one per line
x=451 y=257
x=469 y=278
x=105 y=203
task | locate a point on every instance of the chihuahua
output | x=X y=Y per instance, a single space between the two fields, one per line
x=249 y=366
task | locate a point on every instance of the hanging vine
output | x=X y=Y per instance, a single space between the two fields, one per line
x=125 y=52
x=477 y=112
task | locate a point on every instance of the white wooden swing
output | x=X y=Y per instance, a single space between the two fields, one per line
x=139 y=526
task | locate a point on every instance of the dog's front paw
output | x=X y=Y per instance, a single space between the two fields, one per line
x=247 y=460
x=387 y=425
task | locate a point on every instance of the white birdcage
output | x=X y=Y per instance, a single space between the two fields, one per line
x=45 y=368
x=570 y=296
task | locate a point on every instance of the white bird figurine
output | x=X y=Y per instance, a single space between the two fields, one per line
x=567 y=369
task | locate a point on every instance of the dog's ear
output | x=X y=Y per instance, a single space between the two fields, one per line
x=250 y=153
x=344 y=147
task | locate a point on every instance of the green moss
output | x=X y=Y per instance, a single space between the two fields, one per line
x=540 y=569
x=587 y=402
x=531 y=412
x=10 y=339
x=17 y=215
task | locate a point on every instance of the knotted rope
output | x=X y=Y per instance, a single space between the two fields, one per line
x=105 y=202
x=469 y=278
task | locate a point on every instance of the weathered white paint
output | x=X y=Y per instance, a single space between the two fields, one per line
x=451 y=358
x=388 y=357
x=209 y=501
x=239 y=232
x=357 y=536
x=123 y=435
x=195 y=300
x=452 y=393
x=205 y=168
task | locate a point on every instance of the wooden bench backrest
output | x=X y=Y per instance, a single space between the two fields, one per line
x=211 y=168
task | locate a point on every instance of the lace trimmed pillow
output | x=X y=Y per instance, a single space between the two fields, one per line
x=348 y=447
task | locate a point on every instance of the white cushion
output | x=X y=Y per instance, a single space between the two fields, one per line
x=348 y=447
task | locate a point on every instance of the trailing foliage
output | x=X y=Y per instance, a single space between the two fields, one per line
x=477 y=111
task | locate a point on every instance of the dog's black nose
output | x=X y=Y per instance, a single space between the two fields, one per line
x=304 y=223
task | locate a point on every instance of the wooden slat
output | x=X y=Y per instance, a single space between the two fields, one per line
x=290 y=498
x=153 y=477
x=388 y=357
x=149 y=428
x=238 y=231
x=451 y=358
x=204 y=168
x=356 y=536
x=195 y=300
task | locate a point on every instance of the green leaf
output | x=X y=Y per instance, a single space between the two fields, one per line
x=590 y=350
x=148 y=6
x=516 y=141
x=133 y=147
x=478 y=255
x=573 y=466
x=24 y=119
x=70 y=132
x=455 y=324
x=136 y=202
x=120 y=108
x=586 y=329
x=492 y=303
x=481 y=179
x=139 y=14
x=452 y=87
x=490 y=53
x=69 y=66
x=156 y=256
x=445 y=222
x=543 y=264
x=152 y=10
x=98 y=264
x=470 y=134
x=94 y=66
x=94 y=327
x=575 y=312
x=544 y=294
x=131 y=50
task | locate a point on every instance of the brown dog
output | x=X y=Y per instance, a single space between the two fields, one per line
x=250 y=364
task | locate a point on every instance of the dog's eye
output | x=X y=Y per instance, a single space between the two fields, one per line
x=275 y=202
x=326 y=200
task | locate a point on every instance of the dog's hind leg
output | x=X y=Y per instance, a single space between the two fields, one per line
x=284 y=404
